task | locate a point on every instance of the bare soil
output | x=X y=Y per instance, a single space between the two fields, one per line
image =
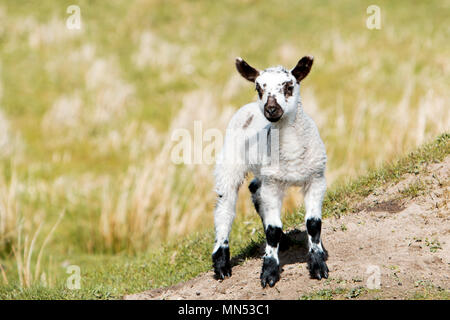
x=401 y=233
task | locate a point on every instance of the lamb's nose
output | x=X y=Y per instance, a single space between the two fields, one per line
x=271 y=105
x=272 y=110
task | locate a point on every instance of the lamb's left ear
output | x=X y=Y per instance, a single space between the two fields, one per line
x=302 y=68
x=247 y=71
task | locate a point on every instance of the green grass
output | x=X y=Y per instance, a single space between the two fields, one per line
x=423 y=291
x=415 y=189
x=324 y=294
x=426 y=290
x=360 y=82
x=110 y=277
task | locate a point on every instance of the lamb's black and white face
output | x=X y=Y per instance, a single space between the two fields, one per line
x=278 y=88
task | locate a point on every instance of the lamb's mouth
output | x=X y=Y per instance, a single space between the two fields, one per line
x=273 y=117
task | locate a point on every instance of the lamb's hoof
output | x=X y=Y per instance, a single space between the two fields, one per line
x=221 y=263
x=270 y=273
x=316 y=264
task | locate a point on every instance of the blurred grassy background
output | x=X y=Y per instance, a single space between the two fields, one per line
x=86 y=115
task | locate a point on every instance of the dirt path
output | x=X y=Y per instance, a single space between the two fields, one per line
x=405 y=240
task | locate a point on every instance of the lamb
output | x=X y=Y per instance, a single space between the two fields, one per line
x=293 y=154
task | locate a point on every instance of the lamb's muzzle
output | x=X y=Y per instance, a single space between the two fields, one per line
x=272 y=110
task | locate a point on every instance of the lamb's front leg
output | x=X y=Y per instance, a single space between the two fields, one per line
x=314 y=192
x=229 y=177
x=271 y=197
x=223 y=219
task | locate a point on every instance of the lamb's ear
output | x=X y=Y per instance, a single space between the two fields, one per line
x=302 y=68
x=245 y=70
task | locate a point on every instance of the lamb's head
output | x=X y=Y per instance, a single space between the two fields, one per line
x=278 y=88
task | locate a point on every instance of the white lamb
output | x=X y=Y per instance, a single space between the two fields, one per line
x=293 y=154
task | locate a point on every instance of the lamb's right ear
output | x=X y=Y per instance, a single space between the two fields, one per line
x=302 y=68
x=245 y=70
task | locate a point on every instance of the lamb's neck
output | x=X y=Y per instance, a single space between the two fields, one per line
x=295 y=123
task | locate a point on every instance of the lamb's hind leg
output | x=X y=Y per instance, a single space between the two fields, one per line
x=255 y=187
x=314 y=192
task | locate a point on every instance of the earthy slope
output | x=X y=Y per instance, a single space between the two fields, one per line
x=402 y=229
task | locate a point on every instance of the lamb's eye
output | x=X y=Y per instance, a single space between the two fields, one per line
x=288 y=89
x=260 y=91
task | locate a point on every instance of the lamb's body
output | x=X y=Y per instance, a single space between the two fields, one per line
x=301 y=151
x=297 y=158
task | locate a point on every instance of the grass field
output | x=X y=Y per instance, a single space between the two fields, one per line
x=86 y=118
x=111 y=277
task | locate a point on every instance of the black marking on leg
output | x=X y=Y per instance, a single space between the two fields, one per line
x=255 y=200
x=273 y=235
x=314 y=225
x=285 y=242
x=256 y=204
x=221 y=263
x=254 y=185
x=270 y=272
x=316 y=257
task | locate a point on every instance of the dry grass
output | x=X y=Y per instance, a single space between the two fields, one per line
x=9 y=212
x=17 y=235
x=152 y=199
